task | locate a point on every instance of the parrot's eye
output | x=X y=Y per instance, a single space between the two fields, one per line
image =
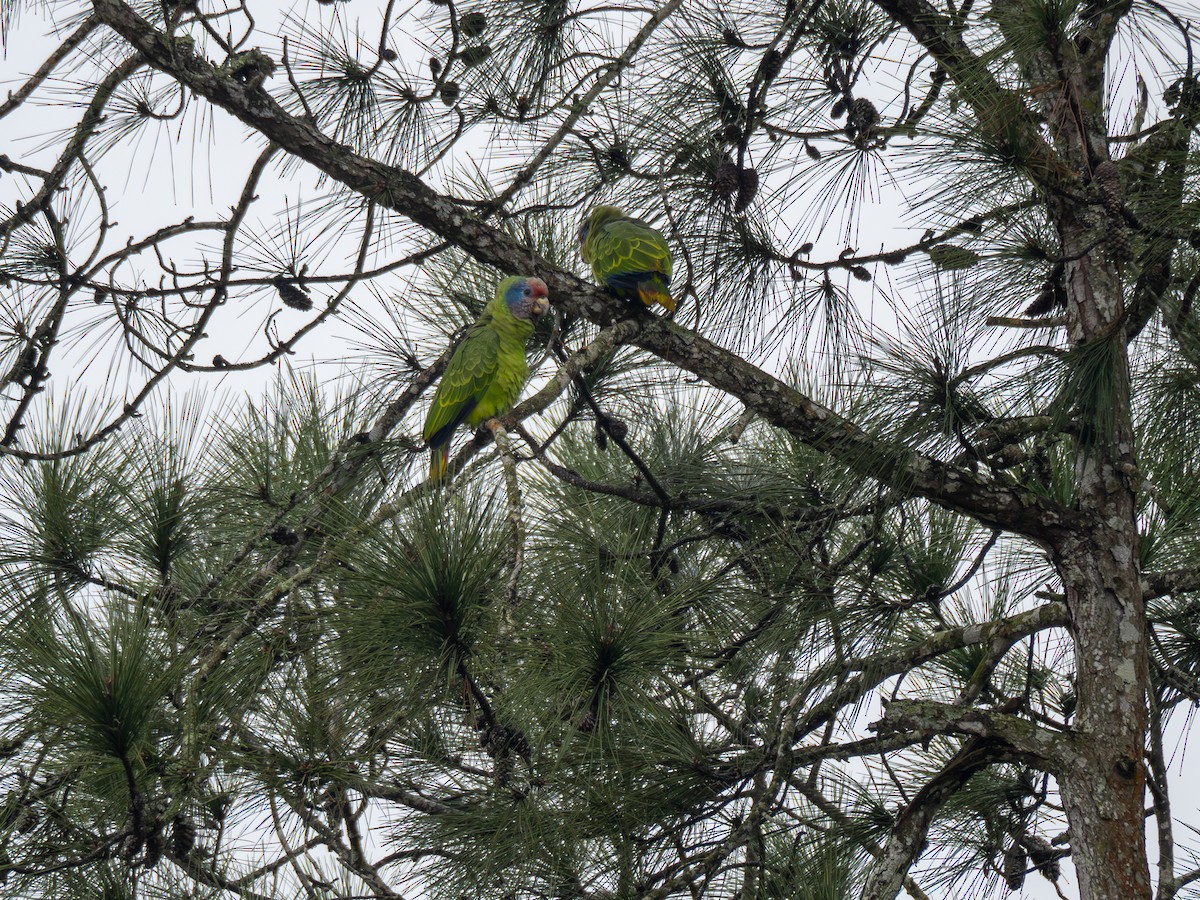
x=527 y=291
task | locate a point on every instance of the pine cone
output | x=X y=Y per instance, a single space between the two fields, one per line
x=499 y=741
x=747 y=189
x=130 y=847
x=503 y=770
x=616 y=427
x=1116 y=241
x=1108 y=182
x=1044 y=304
x=725 y=181
x=154 y=847
x=473 y=24
x=1053 y=294
x=473 y=56
x=617 y=156
x=167 y=596
x=1014 y=866
x=1044 y=856
x=772 y=65
x=291 y=295
x=861 y=121
x=732 y=39
x=864 y=113
x=183 y=836
x=518 y=743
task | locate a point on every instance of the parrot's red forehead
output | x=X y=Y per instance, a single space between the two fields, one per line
x=538 y=287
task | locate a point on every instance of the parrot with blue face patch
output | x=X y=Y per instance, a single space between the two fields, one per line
x=485 y=375
x=627 y=256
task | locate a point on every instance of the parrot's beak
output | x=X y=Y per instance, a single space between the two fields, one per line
x=541 y=297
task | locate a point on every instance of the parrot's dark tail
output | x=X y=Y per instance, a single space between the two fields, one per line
x=438 y=457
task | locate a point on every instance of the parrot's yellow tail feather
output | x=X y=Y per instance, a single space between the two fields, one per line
x=438 y=457
x=651 y=295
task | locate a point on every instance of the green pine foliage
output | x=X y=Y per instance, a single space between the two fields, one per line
x=658 y=647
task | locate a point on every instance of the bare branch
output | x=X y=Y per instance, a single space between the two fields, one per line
x=73 y=40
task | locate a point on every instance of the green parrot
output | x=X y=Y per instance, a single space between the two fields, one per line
x=486 y=372
x=627 y=256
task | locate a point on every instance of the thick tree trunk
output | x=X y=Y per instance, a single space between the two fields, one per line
x=1104 y=787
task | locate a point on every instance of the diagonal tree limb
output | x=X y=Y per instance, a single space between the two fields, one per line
x=831 y=809
x=996 y=504
x=911 y=828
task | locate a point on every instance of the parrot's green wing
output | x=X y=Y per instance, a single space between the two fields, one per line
x=627 y=246
x=471 y=371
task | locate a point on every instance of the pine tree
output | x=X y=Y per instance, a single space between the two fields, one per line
x=871 y=571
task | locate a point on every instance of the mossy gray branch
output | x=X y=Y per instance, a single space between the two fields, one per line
x=910 y=832
x=1170 y=582
x=874 y=670
x=1047 y=749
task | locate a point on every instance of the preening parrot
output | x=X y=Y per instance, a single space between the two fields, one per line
x=627 y=256
x=484 y=376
